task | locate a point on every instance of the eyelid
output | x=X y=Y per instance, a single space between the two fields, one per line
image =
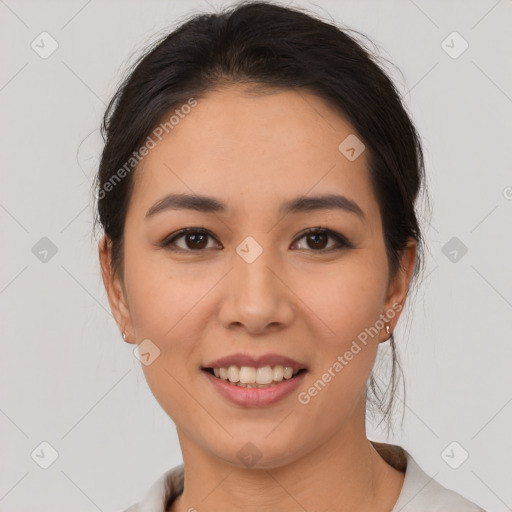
x=166 y=242
x=342 y=241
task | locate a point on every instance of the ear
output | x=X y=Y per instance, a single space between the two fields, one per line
x=399 y=287
x=115 y=290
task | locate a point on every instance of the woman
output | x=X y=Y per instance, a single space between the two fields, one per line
x=257 y=194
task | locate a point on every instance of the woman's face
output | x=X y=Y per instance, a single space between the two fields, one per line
x=256 y=283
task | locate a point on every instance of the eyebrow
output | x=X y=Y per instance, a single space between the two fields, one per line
x=300 y=204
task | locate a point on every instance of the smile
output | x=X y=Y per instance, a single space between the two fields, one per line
x=252 y=377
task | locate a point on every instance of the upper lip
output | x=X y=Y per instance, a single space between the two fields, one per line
x=255 y=361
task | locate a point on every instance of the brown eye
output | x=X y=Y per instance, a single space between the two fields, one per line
x=196 y=240
x=317 y=239
x=193 y=240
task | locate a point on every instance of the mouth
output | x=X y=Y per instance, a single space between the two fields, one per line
x=255 y=380
x=254 y=377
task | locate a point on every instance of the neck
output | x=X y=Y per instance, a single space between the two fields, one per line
x=344 y=473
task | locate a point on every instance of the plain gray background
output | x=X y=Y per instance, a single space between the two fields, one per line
x=69 y=380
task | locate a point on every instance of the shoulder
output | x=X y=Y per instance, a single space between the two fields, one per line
x=421 y=493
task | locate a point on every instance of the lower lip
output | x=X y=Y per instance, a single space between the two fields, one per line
x=255 y=397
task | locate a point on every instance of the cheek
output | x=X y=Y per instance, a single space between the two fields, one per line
x=171 y=305
x=166 y=308
x=346 y=298
x=161 y=296
x=349 y=305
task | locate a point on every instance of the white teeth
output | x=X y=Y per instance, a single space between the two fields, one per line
x=260 y=377
x=288 y=372
x=248 y=375
x=278 y=373
x=264 y=375
x=233 y=374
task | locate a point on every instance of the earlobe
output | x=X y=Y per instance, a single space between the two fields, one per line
x=399 y=286
x=114 y=289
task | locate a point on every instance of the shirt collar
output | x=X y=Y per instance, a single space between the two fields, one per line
x=170 y=484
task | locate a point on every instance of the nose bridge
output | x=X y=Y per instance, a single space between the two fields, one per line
x=253 y=261
x=257 y=297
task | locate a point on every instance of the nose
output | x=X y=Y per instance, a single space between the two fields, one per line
x=257 y=297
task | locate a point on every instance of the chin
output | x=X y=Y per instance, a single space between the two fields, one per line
x=257 y=451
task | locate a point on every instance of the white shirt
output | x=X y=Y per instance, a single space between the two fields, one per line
x=420 y=493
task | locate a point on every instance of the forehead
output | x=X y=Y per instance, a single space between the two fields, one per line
x=255 y=149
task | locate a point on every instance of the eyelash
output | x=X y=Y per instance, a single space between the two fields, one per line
x=343 y=242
